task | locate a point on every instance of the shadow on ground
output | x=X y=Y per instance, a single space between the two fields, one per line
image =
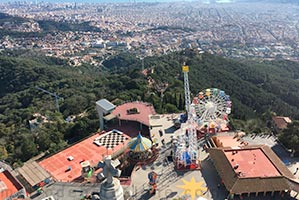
x=171 y=129
x=213 y=181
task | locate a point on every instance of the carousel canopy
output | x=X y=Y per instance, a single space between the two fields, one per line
x=139 y=144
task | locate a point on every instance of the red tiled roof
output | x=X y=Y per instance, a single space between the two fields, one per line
x=227 y=141
x=144 y=110
x=281 y=122
x=251 y=163
x=9 y=185
x=57 y=164
x=273 y=176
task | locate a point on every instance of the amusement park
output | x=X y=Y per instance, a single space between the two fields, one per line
x=139 y=154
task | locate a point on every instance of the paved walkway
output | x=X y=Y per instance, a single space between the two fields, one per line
x=169 y=180
x=163 y=124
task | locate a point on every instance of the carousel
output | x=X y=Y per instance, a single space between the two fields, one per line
x=141 y=150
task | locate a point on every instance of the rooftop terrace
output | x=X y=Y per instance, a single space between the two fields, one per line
x=142 y=114
x=249 y=163
x=93 y=149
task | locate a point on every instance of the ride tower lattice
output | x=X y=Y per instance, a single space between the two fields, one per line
x=185 y=69
x=186 y=149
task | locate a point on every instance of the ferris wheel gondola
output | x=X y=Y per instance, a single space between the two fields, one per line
x=211 y=105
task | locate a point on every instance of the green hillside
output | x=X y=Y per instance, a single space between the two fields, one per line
x=256 y=89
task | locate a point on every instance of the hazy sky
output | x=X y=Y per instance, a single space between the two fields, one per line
x=99 y=1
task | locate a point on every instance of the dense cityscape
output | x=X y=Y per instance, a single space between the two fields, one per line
x=240 y=30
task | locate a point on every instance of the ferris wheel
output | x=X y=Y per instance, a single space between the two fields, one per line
x=211 y=105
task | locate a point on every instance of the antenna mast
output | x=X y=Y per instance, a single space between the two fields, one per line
x=52 y=94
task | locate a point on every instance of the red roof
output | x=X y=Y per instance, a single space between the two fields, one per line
x=227 y=141
x=259 y=169
x=251 y=163
x=281 y=122
x=144 y=110
x=57 y=164
x=8 y=185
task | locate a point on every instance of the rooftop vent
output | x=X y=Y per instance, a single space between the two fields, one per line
x=70 y=158
x=236 y=166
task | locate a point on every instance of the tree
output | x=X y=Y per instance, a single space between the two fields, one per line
x=3 y=153
x=82 y=128
x=290 y=136
x=43 y=141
x=54 y=147
x=28 y=148
x=170 y=108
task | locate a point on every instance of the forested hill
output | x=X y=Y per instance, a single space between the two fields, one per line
x=79 y=87
x=255 y=88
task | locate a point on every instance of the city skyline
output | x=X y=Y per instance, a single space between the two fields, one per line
x=241 y=30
